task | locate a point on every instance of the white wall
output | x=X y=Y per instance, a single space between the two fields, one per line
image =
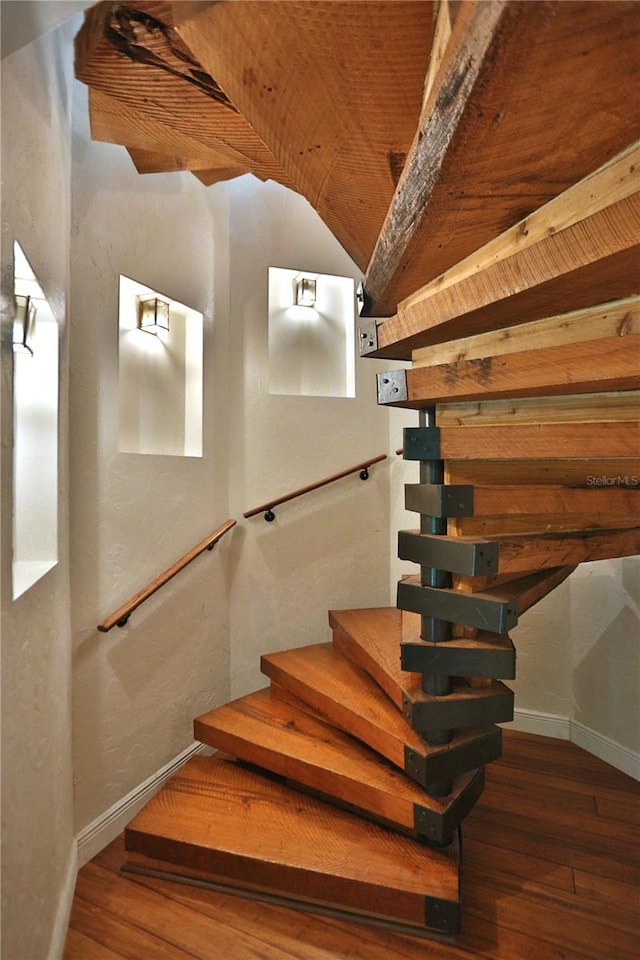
x=328 y=549
x=136 y=690
x=38 y=855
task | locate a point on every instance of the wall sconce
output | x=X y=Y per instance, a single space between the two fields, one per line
x=24 y=324
x=305 y=292
x=153 y=314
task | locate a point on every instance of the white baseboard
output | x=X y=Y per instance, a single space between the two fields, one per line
x=105 y=828
x=61 y=923
x=622 y=758
x=562 y=728
x=542 y=724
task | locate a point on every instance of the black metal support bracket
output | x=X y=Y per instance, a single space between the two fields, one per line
x=421 y=443
x=442 y=915
x=460 y=658
x=436 y=827
x=269 y=515
x=458 y=756
x=439 y=499
x=471 y=609
x=469 y=558
x=364 y=474
x=447 y=712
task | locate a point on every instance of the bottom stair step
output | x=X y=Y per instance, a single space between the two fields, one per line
x=266 y=731
x=217 y=822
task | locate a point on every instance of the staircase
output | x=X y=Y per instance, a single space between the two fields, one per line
x=343 y=785
x=326 y=793
x=479 y=161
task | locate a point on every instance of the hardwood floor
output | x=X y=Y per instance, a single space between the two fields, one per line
x=551 y=872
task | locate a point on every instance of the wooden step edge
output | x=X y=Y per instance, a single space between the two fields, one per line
x=369 y=639
x=217 y=821
x=425 y=764
x=443 y=916
x=381 y=794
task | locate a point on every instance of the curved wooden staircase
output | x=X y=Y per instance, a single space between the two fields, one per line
x=480 y=161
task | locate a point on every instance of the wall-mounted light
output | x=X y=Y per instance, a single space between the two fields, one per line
x=153 y=314
x=24 y=324
x=305 y=292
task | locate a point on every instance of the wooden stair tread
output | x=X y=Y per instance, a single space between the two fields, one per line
x=344 y=694
x=265 y=730
x=371 y=638
x=217 y=821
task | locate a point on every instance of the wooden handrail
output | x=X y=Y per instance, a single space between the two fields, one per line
x=266 y=508
x=122 y=614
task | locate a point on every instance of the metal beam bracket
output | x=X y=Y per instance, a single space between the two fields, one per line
x=439 y=500
x=421 y=443
x=392 y=386
x=470 y=609
x=469 y=558
x=368 y=336
x=442 y=915
x=458 y=659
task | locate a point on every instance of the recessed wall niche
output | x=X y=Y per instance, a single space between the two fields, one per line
x=311 y=334
x=35 y=430
x=159 y=376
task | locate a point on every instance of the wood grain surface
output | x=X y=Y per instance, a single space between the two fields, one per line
x=236 y=826
x=281 y=738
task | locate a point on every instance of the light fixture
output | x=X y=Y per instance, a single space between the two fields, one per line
x=24 y=324
x=153 y=314
x=305 y=292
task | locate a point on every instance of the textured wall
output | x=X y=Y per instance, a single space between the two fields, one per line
x=605 y=632
x=329 y=549
x=137 y=689
x=38 y=853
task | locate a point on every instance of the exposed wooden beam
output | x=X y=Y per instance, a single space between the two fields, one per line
x=529 y=508
x=335 y=91
x=519 y=553
x=612 y=363
x=590 y=222
x=166 y=101
x=581 y=408
x=449 y=86
x=580 y=472
x=544 y=441
x=619 y=318
x=540 y=523
x=555 y=69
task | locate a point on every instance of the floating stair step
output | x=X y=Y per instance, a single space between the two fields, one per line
x=344 y=694
x=495 y=610
x=264 y=730
x=487 y=655
x=370 y=638
x=217 y=823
